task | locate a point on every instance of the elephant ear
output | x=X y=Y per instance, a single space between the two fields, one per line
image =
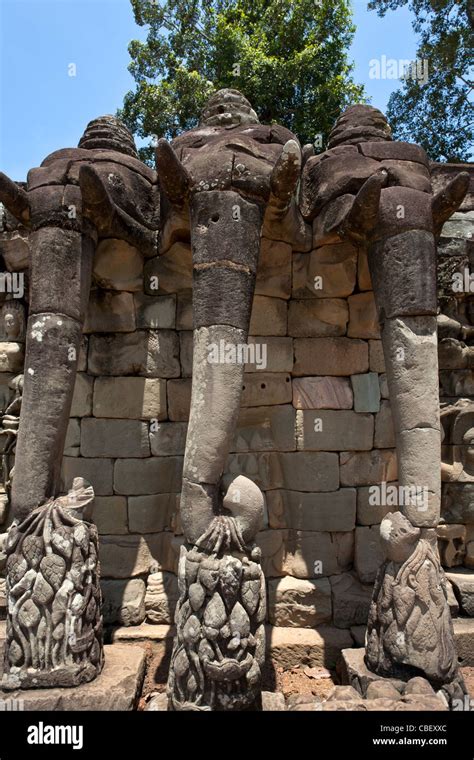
x=14 y=198
x=362 y=217
x=448 y=200
x=175 y=180
x=109 y=219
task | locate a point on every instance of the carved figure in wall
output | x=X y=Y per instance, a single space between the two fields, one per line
x=376 y=193
x=9 y=431
x=76 y=197
x=228 y=172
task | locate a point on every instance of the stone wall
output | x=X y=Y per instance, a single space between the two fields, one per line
x=314 y=433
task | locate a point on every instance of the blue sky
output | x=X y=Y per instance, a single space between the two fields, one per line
x=43 y=108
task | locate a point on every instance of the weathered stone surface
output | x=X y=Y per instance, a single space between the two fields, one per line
x=82 y=398
x=334 y=511
x=157 y=703
x=395 y=151
x=464 y=639
x=343 y=693
x=297 y=471
x=376 y=357
x=118 y=266
x=168 y=438
x=294 y=647
x=383 y=386
x=142 y=634
x=419 y=685
x=114 y=438
x=278 y=354
x=366 y=392
x=11 y=357
x=110 y=312
x=317 y=318
x=152 y=513
x=179 y=399
x=364 y=279
x=73 y=439
x=15 y=250
x=12 y=320
x=382 y=689
x=184 y=311
x=330 y=178
x=148 y=476
x=326 y=272
x=116 y=688
x=123 y=602
x=322 y=393
x=297 y=602
x=169 y=273
x=451 y=544
x=268 y=316
x=265 y=428
x=186 y=345
x=110 y=514
x=360 y=469
x=463 y=584
x=274 y=269
x=131 y=556
x=265 y=389
x=98 y=472
x=150 y=354
x=330 y=356
x=369 y=513
x=328 y=430
x=130 y=398
x=368 y=554
x=363 y=320
x=418 y=453
x=161 y=597
x=350 y=600
x=384 y=437
x=273 y=701
x=305 y=554
x=155 y=312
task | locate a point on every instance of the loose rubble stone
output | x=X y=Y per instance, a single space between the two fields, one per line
x=344 y=693
x=273 y=701
x=382 y=689
x=419 y=685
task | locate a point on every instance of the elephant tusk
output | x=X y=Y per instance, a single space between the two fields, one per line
x=448 y=200
x=362 y=217
x=174 y=178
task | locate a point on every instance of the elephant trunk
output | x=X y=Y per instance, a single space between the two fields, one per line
x=225 y=239
x=61 y=265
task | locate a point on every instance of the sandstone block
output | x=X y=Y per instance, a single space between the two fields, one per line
x=363 y=320
x=186 y=352
x=179 y=399
x=108 y=311
x=184 y=311
x=274 y=269
x=265 y=428
x=98 y=472
x=350 y=599
x=170 y=273
x=322 y=393
x=153 y=513
x=318 y=318
x=73 y=438
x=110 y=514
x=464 y=640
x=463 y=584
x=132 y=556
x=114 y=438
x=368 y=554
x=155 y=312
x=168 y=438
x=150 y=354
x=366 y=392
x=297 y=602
x=305 y=554
x=294 y=647
x=330 y=356
x=130 y=398
x=118 y=266
x=376 y=357
x=269 y=316
x=123 y=601
x=329 y=512
x=270 y=354
x=365 y=467
x=137 y=477
x=82 y=398
x=363 y=274
x=265 y=389
x=384 y=434
x=328 y=430
x=367 y=512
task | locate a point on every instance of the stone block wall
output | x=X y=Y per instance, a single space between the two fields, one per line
x=315 y=429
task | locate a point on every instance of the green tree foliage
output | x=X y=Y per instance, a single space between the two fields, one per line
x=288 y=57
x=438 y=114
